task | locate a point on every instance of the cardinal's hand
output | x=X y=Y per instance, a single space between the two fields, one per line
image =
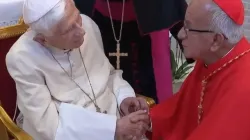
x=132 y=126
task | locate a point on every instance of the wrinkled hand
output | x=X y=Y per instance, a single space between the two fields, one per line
x=132 y=126
x=132 y=104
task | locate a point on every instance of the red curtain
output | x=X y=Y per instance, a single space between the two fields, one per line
x=7 y=84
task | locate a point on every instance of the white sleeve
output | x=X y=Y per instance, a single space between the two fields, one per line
x=121 y=88
x=77 y=123
x=33 y=97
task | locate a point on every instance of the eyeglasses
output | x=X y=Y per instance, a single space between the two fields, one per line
x=195 y=30
x=186 y=30
x=198 y=31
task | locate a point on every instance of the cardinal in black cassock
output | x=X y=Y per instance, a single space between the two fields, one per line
x=144 y=37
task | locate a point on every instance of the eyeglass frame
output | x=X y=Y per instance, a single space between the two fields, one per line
x=186 y=30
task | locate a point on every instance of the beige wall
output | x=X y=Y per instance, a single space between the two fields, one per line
x=247 y=18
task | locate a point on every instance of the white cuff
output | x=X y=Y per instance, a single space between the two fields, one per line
x=124 y=92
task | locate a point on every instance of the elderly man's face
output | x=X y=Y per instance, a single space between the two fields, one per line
x=68 y=34
x=195 y=35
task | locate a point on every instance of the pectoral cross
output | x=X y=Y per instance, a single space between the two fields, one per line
x=118 y=54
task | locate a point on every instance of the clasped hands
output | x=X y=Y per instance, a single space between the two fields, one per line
x=134 y=121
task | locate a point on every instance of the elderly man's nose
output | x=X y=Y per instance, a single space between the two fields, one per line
x=182 y=35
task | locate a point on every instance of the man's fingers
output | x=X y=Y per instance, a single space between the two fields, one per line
x=130 y=137
x=134 y=118
x=141 y=130
x=140 y=112
x=139 y=118
x=135 y=102
x=137 y=130
x=145 y=127
x=143 y=103
x=132 y=130
x=132 y=109
x=124 y=111
x=134 y=138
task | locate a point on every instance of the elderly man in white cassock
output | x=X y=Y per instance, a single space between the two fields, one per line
x=66 y=87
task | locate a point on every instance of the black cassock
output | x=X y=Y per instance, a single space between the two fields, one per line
x=152 y=15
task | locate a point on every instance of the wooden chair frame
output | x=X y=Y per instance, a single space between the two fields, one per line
x=13 y=30
x=12 y=128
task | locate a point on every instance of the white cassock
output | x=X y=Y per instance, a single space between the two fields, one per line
x=52 y=105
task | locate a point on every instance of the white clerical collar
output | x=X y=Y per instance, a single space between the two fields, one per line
x=55 y=50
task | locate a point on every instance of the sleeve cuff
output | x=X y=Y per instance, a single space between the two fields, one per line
x=124 y=93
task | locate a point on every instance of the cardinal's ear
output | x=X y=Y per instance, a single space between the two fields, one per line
x=217 y=42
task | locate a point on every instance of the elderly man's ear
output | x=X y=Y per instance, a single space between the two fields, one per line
x=218 y=41
x=40 y=39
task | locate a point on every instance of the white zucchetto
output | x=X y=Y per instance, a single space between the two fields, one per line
x=33 y=10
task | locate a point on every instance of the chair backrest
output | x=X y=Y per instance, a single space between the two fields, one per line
x=8 y=36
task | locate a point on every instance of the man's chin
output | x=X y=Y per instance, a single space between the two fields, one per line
x=188 y=56
x=78 y=44
x=76 y=47
x=73 y=47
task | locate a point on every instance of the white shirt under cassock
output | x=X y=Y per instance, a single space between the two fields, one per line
x=52 y=105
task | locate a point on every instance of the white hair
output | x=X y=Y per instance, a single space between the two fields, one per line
x=222 y=23
x=48 y=21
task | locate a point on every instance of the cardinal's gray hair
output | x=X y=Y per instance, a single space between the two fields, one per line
x=222 y=23
x=48 y=21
